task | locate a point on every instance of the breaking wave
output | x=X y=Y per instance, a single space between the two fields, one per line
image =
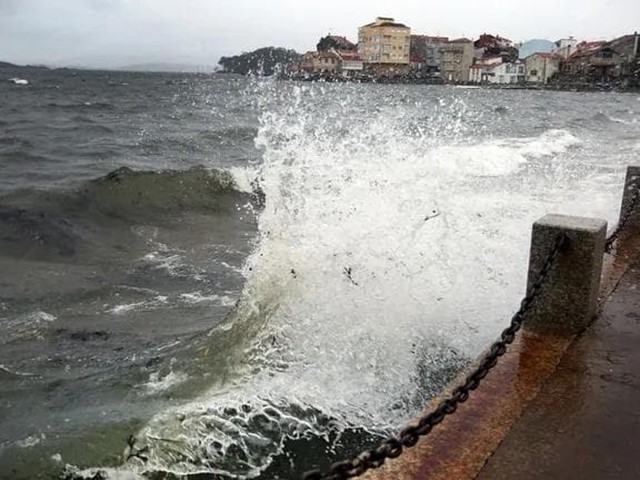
x=55 y=222
x=379 y=272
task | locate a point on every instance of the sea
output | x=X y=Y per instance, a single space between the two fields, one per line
x=215 y=276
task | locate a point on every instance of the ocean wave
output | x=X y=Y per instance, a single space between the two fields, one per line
x=20 y=153
x=599 y=119
x=19 y=81
x=28 y=325
x=354 y=312
x=126 y=308
x=158 y=383
x=502 y=156
x=70 y=106
x=46 y=223
x=15 y=141
x=230 y=135
x=127 y=189
x=198 y=297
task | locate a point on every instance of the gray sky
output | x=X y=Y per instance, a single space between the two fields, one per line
x=110 y=33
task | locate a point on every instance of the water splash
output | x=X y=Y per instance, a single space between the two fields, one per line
x=392 y=232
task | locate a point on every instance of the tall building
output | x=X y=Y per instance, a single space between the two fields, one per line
x=384 y=47
x=457 y=58
x=429 y=49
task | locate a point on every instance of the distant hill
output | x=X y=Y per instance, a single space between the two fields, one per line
x=167 y=67
x=535 y=46
x=13 y=65
x=264 y=61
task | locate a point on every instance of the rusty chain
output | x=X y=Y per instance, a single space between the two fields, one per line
x=624 y=218
x=409 y=436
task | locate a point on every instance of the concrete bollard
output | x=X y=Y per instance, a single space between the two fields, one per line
x=630 y=200
x=569 y=297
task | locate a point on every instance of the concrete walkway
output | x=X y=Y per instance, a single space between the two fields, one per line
x=585 y=421
x=555 y=407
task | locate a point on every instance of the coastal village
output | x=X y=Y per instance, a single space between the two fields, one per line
x=387 y=50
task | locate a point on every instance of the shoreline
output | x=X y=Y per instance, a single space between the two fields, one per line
x=409 y=81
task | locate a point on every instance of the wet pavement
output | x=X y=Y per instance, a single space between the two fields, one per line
x=585 y=422
x=554 y=407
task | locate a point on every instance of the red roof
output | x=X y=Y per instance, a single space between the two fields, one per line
x=591 y=45
x=585 y=49
x=349 y=55
x=416 y=59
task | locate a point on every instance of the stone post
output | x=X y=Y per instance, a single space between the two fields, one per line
x=631 y=185
x=569 y=297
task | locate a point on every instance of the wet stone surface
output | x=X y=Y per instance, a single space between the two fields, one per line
x=585 y=423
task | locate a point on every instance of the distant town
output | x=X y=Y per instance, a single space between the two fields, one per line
x=388 y=51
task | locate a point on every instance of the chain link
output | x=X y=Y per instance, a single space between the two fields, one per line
x=409 y=436
x=608 y=244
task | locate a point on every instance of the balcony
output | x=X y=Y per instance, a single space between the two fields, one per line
x=602 y=62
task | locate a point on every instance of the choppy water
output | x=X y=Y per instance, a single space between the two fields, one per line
x=254 y=277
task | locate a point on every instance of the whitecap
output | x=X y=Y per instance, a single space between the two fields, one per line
x=30 y=441
x=193 y=298
x=158 y=384
x=121 y=309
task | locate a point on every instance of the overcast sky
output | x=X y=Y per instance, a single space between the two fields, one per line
x=112 y=33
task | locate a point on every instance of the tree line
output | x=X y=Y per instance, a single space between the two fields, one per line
x=264 y=61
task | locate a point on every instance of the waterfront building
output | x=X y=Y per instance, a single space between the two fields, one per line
x=330 y=64
x=323 y=63
x=593 y=62
x=502 y=73
x=602 y=64
x=540 y=67
x=491 y=41
x=565 y=47
x=478 y=73
x=384 y=47
x=429 y=49
x=495 y=45
x=351 y=65
x=457 y=58
x=482 y=69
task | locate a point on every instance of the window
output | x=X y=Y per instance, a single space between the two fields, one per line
x=533 y=73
